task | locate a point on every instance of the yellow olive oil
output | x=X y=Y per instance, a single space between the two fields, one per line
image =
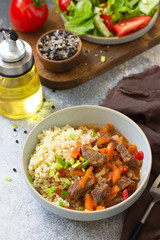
x=20 y=97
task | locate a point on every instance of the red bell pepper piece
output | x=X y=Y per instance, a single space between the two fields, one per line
x=62 y=172
x=125 y=194
x=139 y=155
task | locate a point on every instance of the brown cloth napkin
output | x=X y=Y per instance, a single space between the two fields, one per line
x=138 y=96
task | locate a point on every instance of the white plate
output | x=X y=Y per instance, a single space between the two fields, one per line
x=117 y=40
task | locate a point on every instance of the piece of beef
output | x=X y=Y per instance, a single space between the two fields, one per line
x=95 y=158
x=124 y=182
x=117 y=199
x=125 y=155
x=75 y=204
x=103 y=172
x=99 y=193
x=75 y=190
x=131 y=174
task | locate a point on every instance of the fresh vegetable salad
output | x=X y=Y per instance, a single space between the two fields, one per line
x=85 y=168
x=106 y=18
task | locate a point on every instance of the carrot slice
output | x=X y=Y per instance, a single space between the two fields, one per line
x=109 y=176
x=109 y=127
x=103 y=140
x=102 y=150
x=77 y=172
x=100 y=207
x=86 y=176
x=114 y=167
x=115 y=175
x=115 y=189
x=120 y=140
x=93 y=178
x=109 y=150
x=75 y=153
x=88 y=202
x=118 y=163
x=78 y=143
x=108 y=165
x=132 y=149
x=111 y=196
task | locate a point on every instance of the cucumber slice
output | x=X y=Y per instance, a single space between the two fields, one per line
x=101 y=26
x=146 y=6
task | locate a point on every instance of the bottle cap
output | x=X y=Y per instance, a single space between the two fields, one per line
x=15 y=55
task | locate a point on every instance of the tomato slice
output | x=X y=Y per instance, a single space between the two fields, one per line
x=131 y=25
x=63 y=4
x=107 y=19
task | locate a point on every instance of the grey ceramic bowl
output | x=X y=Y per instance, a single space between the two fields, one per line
x=119 y=40
x=93 y=116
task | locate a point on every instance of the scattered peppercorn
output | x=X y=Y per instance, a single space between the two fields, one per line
x=14 y=170
x=53 y=107
x=44 y=99
x=86 y=52
x=17 y=141
x=25 y=131
x=15 y=130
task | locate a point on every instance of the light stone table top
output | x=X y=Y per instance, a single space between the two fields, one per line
x=21 y=217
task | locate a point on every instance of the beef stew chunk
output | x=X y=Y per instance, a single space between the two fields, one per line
x=75 y=190
x=99 y=193
x=125 y=155
x=95 y=158
x=131 y=174
x=102 y=173
x=124 y=182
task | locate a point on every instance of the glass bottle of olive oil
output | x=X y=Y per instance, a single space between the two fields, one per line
x=20 y=88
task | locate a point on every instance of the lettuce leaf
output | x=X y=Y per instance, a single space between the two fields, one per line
x=82 y=28
x=123 y=9
x=81 y=19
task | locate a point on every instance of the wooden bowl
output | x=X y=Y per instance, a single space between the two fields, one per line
x=60 y=65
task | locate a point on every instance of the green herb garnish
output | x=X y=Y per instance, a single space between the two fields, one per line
x=85 y=163
x=50 y=191
x=61 y=162
x=72 y=161
x=59 y=158
x=76 y=164
x=67 y=181
x=80 y=208
x=14 y=125
x=66 y=164
x=60 y=204
x=103 y=59
x=8 y=179
x=64 y=194
x=93 y=134
x=81 y=159
x=59 y=166
x=52 y=172
x=65 y=185
x=30 y=179
x=35 y=117
x=72 y=136
x=83 y=170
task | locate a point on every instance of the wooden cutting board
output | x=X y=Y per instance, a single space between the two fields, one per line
x=90 y=65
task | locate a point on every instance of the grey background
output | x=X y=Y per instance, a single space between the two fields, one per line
x=21 y=217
